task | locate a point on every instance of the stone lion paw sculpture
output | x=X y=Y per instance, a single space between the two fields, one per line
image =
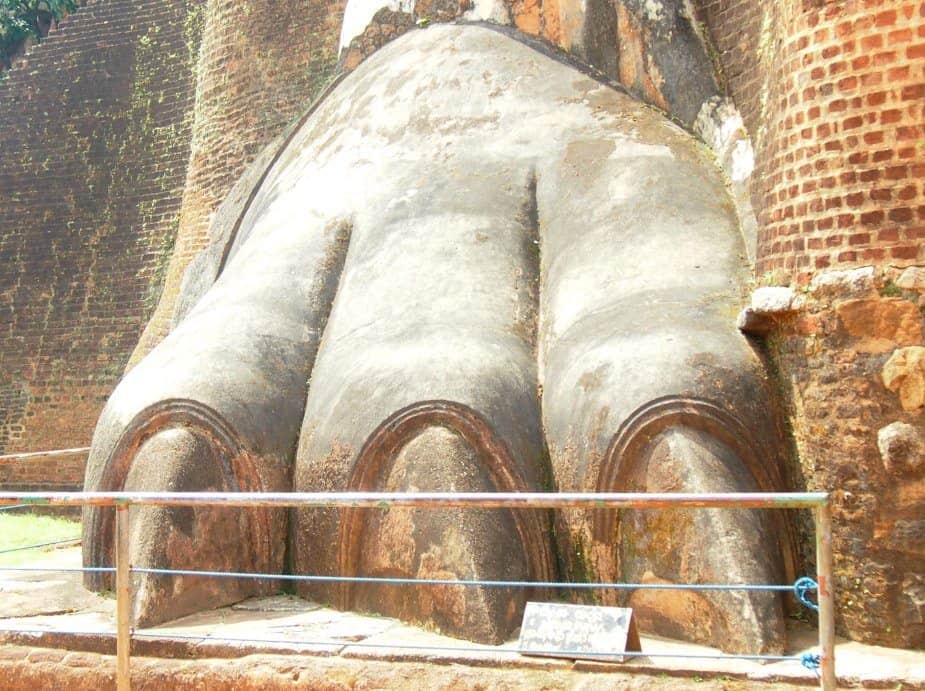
x=473 y=266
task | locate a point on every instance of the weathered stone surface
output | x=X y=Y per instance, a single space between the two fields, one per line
x=768 y=305
x=902 y=447
x=912 y=278
x=651 y=548
x=843 y=281
x=914 y=596
x=904 y=373
x=882 y=322
x=286 y=672
x=414 y=310
x=775 y=300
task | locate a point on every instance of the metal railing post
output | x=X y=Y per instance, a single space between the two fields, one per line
x=823 y=516
x=123 y=601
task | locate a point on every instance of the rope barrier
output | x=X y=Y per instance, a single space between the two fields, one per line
x=62 y=569
x=802 y=588
x=812 y=662
x=76 y=538
x=482 y=583
x=14 y=506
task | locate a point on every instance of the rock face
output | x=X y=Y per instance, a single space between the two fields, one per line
x=902 y=447
x=472 y=268
x=904 y=373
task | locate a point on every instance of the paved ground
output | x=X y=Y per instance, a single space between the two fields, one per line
x=277 y=641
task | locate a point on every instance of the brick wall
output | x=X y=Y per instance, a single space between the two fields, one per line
x=833 y=93
x=94 y=146
x=43 y=472
x=262 y=64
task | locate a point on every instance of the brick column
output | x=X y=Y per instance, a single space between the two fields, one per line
x=834 y=96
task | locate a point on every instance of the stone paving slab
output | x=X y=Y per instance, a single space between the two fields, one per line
x=289 y=626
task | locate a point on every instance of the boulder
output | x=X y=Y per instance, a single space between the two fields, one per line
x=904 y=374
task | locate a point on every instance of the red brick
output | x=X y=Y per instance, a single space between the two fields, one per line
x=886 y=58
x=887 y=18
x=904 y=252
x=907 y=193
x=913 y=92
x=871 y=218
x=900 y=215
x=855 y=199
x=853 y=122
x=891 y=116
x=882 y=155
x=845 y=220
x=888 y=235
x=900 y=36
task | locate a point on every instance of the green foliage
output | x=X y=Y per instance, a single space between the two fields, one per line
x=891 y=290
x=24 y=19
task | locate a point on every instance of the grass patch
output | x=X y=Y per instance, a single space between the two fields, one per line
x=19 y=529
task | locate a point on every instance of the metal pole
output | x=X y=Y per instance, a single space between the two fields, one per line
x=484 y=500
x=123 y=602
x=823 y=515
x=82 y=451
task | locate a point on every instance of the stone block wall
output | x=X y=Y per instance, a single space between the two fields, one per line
x=94 y=146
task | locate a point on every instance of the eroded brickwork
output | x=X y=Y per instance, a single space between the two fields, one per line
x=28 y=473
x=94 y=145
x=857 y=440
x=262 y=64
x=833 y=93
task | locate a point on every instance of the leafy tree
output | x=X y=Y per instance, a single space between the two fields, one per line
x=23 y=19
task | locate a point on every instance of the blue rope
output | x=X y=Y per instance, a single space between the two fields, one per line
x=14 y=506
x=76 y=538
x=62 y=569
x=482 y=583
x=812 y=662
x=802 y=588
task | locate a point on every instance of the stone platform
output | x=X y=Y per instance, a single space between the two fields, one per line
x=281 y=641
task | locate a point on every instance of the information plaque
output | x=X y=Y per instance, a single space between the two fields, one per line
x=578 y=632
